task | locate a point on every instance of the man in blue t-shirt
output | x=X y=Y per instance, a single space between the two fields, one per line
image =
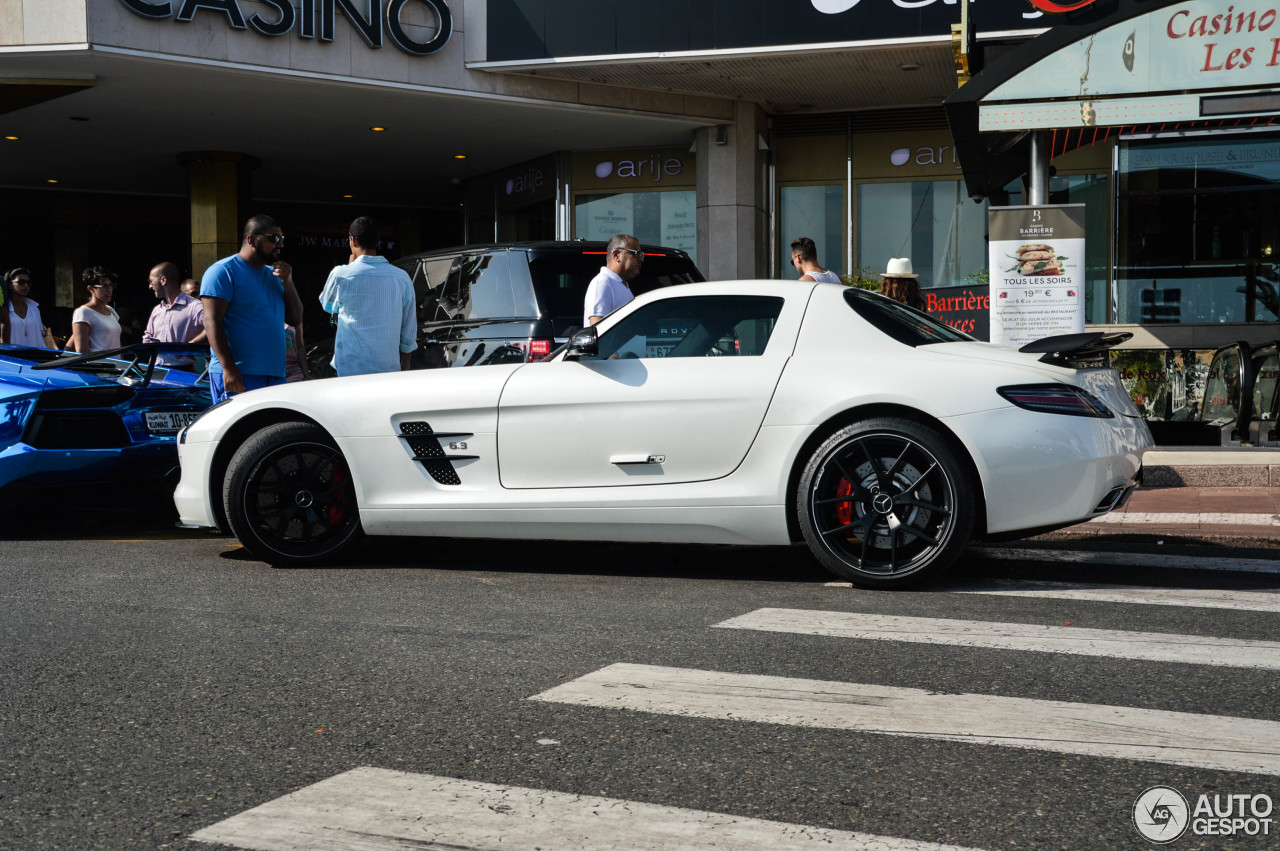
x=248 y=298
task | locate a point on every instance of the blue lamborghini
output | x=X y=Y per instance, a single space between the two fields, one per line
x=87 y=428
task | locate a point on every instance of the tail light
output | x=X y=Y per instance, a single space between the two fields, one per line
x=603 y=253
x=540 y=347
x=1055 y=399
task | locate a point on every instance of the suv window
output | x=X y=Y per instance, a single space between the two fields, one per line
x=561 y=278
x=429 y=278
x=479 y=287
x=698 y=326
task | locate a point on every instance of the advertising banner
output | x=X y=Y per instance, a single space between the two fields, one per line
x=601 y=218
x=965 y=308
x=1036 y=259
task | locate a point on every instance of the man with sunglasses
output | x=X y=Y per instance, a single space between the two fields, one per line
x=248 y=298
x=611 y=289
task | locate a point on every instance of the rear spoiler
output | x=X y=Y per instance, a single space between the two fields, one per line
x=1077 y=351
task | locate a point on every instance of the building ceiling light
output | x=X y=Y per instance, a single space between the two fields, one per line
x=51 y=180
x=908 y=66
x=12 y=138
x=459 y=156
x=377 y=129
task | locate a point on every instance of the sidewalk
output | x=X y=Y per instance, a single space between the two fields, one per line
x=1211 y=467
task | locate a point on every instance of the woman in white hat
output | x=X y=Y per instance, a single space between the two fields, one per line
x=899 y=283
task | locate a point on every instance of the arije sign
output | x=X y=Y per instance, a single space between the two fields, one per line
x=376 y=17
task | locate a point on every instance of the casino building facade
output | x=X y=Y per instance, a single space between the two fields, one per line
x=136 y=131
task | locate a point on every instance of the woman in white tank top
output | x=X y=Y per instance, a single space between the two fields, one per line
x=95 y=325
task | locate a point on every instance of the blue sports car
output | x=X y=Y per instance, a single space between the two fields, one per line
x=94 y=427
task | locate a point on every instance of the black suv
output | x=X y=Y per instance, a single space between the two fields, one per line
x=510 y=302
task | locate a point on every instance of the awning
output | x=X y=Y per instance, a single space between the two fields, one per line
x=1119 y=66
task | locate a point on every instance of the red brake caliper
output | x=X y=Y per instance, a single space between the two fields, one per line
x=844 y=510
x=336 y=512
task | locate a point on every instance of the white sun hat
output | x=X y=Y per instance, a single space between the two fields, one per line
x=899 y=267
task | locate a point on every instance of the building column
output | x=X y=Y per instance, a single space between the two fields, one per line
x=219 y=187
x=71 y=218
x=733 y=223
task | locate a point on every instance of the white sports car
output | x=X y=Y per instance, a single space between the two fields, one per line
x=756 y=412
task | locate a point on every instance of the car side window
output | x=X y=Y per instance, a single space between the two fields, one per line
x=480 y=288
x=697 y=326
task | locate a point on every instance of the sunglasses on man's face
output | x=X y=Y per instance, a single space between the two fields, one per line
x=276 y=238
x=22 y=282
x=639 y=255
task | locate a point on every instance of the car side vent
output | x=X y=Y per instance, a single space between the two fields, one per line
x=77 y=430
x=85 y=397
x=430 y=453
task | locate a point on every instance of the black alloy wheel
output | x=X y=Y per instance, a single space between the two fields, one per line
x=289 y=496
x=885 y=503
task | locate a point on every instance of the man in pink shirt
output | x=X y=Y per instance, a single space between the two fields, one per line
x=178 y=318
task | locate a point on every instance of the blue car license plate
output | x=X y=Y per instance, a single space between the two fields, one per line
x=169 y=422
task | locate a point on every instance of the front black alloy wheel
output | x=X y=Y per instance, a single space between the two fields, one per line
x=289 y=497
x=885 y=502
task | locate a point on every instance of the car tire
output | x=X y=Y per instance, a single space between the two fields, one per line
x=885 y=503
x=289 y=496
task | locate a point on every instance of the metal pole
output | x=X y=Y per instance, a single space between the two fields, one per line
x=1038 y=172
x=849 y=245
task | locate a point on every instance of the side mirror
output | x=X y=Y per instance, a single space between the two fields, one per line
x=583 y=344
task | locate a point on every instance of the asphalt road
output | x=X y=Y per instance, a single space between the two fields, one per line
x=158 y=683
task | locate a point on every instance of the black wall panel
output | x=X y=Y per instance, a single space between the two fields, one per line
x=539 y=29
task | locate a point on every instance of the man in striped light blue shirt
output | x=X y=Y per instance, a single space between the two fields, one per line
x=375 y=305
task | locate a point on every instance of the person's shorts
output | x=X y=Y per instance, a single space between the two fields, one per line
x=251 y=382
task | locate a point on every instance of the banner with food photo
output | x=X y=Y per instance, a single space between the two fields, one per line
x=1037 y=272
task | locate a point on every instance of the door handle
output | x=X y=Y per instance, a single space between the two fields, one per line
x=637 y=459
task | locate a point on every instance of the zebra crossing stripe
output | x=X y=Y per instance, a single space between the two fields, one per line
x=1037 y=638
x=1200 y=598
x=375 y=809
x=1116 y=732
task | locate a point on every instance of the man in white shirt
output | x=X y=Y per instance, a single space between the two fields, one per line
x=611 y=289
x=375 y=305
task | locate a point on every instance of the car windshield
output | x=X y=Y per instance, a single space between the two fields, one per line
x=906 y=325
x=561 y=277
x=14 y=359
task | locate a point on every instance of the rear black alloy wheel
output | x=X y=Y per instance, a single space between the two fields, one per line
x=885 y=503
x=289 y=497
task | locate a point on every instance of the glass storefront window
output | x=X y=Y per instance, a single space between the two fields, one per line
x=1198 y=236
x=1090 y=190
x=818 y=213
x=932 y=222
x=655 y=218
